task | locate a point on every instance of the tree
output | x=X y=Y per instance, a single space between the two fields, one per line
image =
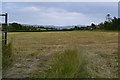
x=93 y=26
x=76 y=28
x=15 y=26
x=113 y=25
x=108 y=18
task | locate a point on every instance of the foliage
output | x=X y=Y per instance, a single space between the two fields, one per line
x=114 y=24
x=19 y=27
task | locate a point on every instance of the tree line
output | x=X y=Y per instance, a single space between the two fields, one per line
x=113 y=24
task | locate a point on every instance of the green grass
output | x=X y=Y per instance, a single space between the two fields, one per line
x=6 y=56
x=67 y=64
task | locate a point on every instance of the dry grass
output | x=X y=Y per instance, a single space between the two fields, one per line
x=100 y=47
x=65 y=64
x=29 y=42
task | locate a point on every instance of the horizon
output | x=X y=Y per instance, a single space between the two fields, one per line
x=59 y=13
x=48 y=24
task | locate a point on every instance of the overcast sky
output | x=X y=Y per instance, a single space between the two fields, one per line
x=59 y=13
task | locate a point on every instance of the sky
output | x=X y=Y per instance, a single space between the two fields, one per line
x=59 y=13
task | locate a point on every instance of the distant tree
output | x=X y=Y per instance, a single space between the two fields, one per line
x=76 y=28
x=101 y=25
x=15 y=26
x=114 y=24
x=108 y=17
x=93 y=26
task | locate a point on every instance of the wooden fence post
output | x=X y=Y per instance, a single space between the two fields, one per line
x=6 y=29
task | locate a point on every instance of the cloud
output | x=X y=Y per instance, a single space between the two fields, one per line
x=47 y=15
x=31 y=8
x=60 y=1
x=58 y=13
x=60 y=17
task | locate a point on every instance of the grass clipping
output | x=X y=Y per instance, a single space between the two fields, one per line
x=67 y=64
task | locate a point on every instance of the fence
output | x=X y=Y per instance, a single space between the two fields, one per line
x=4 y=29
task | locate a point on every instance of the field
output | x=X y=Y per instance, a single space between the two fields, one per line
x=35 y=51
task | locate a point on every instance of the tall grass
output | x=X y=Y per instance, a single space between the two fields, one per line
x=6 y=56
x=67 y=64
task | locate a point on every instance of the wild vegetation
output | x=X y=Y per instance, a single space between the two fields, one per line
x=113 y=24
x=71 y=54
x=6 y=56
x=66 y=64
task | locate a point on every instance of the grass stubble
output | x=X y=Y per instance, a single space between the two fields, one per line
x=75 y=54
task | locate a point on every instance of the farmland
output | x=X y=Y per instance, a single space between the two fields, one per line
x=35 y=51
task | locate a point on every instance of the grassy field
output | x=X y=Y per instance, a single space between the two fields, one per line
x=35 y=54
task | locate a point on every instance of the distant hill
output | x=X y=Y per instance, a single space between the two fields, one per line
x=57 y=26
